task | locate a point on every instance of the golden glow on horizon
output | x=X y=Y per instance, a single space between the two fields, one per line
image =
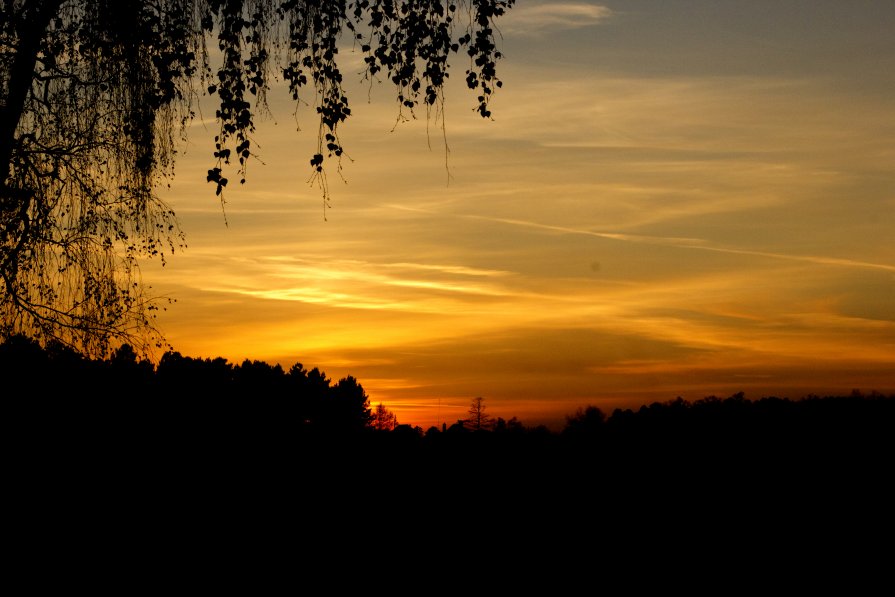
x=616 y=235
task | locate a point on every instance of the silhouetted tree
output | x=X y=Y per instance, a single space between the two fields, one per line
x=96 y=94
x=128 y=376
x=258 y=379
x=347 y=408
x=186 y=381
x=316 y=390
x=383 y=419
x=514 y=425
x=587 y=421
x=478 y=419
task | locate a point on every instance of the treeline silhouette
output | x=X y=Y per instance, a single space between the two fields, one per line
x=196 y=401
x=195 y=394
x=190 y=441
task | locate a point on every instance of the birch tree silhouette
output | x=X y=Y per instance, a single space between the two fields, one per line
x=96 y=96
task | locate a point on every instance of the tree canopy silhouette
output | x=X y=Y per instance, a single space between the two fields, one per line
x=478 y=419
x=97 y=94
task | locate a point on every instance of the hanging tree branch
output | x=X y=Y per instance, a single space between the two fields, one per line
x=97 y=94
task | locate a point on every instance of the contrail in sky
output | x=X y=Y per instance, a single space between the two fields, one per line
x=669 y=241
x=692 y=243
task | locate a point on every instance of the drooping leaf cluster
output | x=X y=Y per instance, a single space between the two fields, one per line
x=408 y=42
x=85 y=130
x=97 y=95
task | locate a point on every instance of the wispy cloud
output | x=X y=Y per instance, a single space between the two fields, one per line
x=356 y=284
x=679 y=242
x=694 y=243
x=541 y=18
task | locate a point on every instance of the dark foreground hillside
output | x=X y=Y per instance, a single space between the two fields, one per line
x=111 y=446
x=829 y=434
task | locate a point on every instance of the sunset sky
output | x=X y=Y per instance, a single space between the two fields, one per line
x=674 y=198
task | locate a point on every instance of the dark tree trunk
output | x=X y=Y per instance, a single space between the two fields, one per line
x=31 y=24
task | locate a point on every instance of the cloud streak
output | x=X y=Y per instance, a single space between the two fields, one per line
x=358 y=284
x=551 y=17
x=693 y=243
x=631 y=227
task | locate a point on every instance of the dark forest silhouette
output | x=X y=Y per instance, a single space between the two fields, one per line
x=212 y=449
x=200 y=397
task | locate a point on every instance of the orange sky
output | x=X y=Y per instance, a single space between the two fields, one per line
x=673 y=199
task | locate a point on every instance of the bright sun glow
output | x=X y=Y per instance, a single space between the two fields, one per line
x=660 y=207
